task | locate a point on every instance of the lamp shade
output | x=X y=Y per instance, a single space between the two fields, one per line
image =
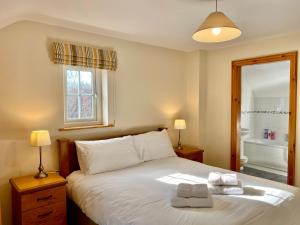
x=217 y=27
x=40 y=138
x=180 y=124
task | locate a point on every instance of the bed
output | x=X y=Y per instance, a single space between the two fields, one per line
x=140 y=195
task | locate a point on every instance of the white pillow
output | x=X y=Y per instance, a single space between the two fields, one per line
x=106 y=155
x=154 y=145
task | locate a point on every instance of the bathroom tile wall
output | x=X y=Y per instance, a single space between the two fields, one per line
x=265 y=99
x=247 y=105
x=270 y=113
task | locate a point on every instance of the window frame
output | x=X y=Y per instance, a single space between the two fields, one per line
x=96 y=96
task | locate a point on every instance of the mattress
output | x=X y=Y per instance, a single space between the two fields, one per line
x=141 y=195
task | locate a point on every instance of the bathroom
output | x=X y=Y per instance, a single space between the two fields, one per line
x=264 y=120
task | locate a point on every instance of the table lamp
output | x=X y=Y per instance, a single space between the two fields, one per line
x=39 y=138
x=179 y=125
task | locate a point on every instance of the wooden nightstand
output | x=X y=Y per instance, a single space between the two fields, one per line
x=0 y=215
x=190 y=152
x=39 y=201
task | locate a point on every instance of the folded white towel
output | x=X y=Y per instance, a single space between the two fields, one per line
x=185 y=190
x=229 y=179
x=216 y=178
x=192 y=202
x=226 y=190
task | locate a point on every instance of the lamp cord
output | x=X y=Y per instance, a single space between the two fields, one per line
x=216 y=5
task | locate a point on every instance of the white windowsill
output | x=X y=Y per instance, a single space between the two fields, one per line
x=81 y=127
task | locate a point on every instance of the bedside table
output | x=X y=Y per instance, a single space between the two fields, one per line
x=0 y=215
x=190 y=152
x=39 y=201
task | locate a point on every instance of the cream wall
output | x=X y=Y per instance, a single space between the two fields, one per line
x=217 y=141
x=150 y=91
x=191 y=134
x=195 y=76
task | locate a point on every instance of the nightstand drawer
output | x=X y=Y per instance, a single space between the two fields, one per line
x=194 y=157
x=191 y=153
x=43 y=198
x=52 y=214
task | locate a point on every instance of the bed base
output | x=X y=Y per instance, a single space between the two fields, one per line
x=76 y=216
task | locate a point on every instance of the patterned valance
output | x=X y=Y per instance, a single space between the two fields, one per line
x=76 y=55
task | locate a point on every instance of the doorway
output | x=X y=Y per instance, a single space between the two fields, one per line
x=254 y=120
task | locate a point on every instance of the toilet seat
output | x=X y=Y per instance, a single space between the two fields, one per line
x=243 y=161
x=243 y=157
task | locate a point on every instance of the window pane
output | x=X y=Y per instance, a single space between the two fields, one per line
x=72 y=107
x=86 y=107
x=86 y=82
x=72 y=81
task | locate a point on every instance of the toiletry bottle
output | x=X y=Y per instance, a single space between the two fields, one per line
x=273 y=135
x=266 y=133
x=269 y=134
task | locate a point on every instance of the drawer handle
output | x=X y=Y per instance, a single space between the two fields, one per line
x=44 y=198
x=41 y=216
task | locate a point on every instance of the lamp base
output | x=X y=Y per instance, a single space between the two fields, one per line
x=179 y=147
x=41 y=174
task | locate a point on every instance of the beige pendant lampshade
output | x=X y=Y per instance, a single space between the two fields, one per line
x=217 y=27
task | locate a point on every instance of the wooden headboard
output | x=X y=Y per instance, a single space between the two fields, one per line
x=68 y=161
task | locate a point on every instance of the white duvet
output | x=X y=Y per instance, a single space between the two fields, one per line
x=141 y=196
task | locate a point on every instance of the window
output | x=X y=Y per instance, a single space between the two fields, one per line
x=89 y=97
x=81 y=95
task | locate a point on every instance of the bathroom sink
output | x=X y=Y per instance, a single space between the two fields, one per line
x=244 y=131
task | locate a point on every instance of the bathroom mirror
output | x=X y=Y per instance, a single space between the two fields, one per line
x=263 y=117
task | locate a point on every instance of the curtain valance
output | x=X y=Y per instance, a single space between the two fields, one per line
x=76 y=55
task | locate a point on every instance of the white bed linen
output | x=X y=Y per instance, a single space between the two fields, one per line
x=141 y=195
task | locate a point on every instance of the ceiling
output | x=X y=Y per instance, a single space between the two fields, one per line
x=267 y=77
x=166 y=23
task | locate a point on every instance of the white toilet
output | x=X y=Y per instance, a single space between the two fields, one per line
x=243 y=161
x=243 y=158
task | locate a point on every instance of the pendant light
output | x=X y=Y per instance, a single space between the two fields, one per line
x=217 y=27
